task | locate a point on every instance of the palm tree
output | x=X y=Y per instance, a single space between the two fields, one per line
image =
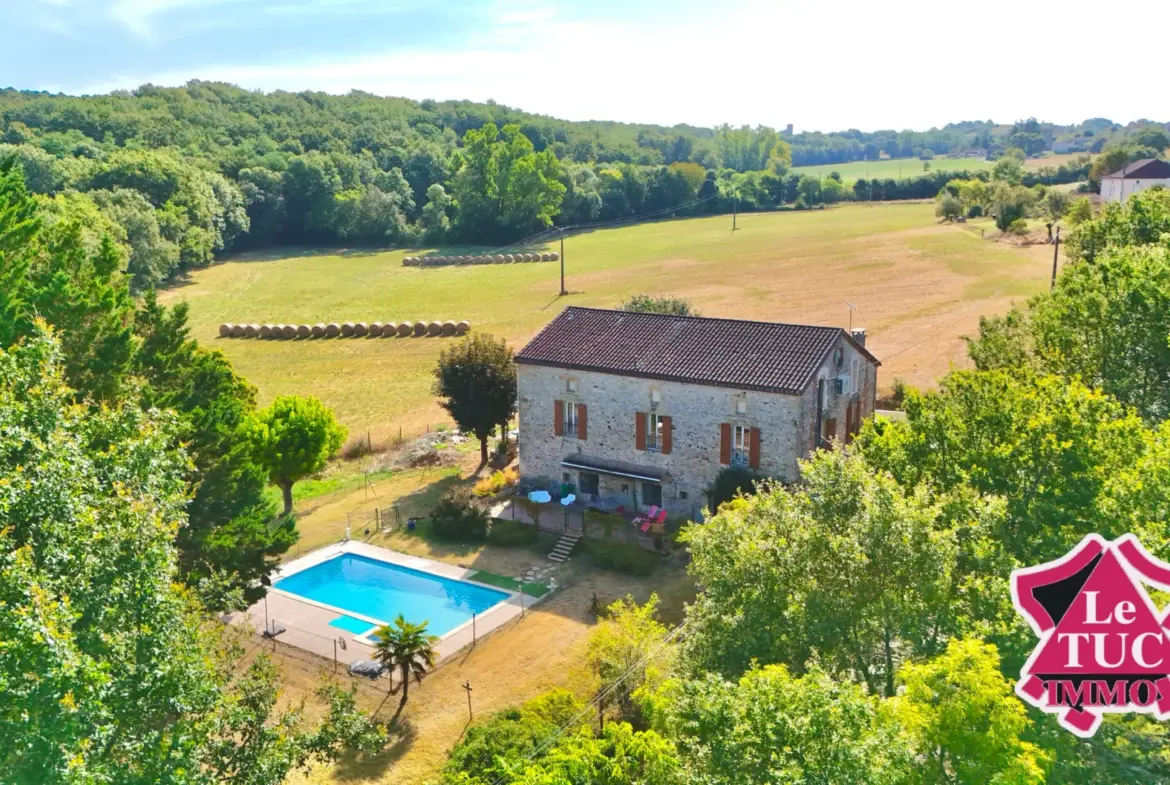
x=407 y=648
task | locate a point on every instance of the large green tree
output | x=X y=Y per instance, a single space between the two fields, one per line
x=294 y=437
x=110 y=671
x=476 y=383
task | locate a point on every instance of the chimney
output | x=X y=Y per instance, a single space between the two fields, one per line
x=858 y=334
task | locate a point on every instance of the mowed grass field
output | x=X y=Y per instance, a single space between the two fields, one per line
x=918 y=286
x=905 y=168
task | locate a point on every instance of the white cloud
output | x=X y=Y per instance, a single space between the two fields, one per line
x=139 y=15
x=747 y=61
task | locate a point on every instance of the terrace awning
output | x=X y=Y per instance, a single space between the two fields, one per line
x=614 y=468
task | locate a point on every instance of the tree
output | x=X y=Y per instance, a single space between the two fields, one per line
x=622 y=649
x=1156 y=138
x=1008 y=170
x=434 y=214
x=864 y=577
x=293 y=438
x=770 y=726
x=1079 y=211
x=228 y=532
x=664 y=304
x=966 y=721
x=1142 y=219
x=1055 y=206
x=947 y=207
x=476 y=382
x=1010 y=203
x=110 y=671
x=730 y=483
x=408 y=649
x=152 y=257
x=19 y=230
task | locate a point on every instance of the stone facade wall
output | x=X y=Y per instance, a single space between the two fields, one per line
x=787 y=426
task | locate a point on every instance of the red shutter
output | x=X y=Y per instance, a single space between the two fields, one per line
x=558 y=418
x=639 y=431
x=667 y=441
x=754 y=449
x=725 y=444
x=830 y=429
x=582 y=421
x=849 y=423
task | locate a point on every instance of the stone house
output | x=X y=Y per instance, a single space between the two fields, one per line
x=648 y=408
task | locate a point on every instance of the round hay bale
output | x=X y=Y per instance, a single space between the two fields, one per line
x=554 y=256
x=360 y=329
x=237 y=331
x=347 y=329
x=265 y=331
x=509 y=258
x=545 y=257
x=448 y=328
x=434 y=328
x=498 y=259
x=463 y=327
x=535 y=257
x=318 y=330
x=289 y=331
x=482 y=259
x=405 y=329
x=225 y=330
x=410 y=261
x=375 y=329
x=251 y=330
x=389 y=330
x=278 y=331
x=304 y=331
x=420 y=328
x=332 y=330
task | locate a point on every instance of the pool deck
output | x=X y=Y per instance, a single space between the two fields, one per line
x=307 y=621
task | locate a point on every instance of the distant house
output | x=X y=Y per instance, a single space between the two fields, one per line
x=1138 y=176
x=646 y=409
x=1068 y=146
x=973 y=152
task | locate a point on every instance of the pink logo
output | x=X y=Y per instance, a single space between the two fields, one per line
x=1104 y=646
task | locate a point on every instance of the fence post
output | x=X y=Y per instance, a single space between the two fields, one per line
x=473 y=635
x=378 y=519
x=335 y=655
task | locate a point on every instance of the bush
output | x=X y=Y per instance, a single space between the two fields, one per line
x=1018 y=227
x=729 y=483
x=512 y=534
x=496 y=482
x=361 y=447
x=620 y=557
x=458 y=516
x=645 y=303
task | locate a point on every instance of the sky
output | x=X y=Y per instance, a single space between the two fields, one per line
x=818 y=65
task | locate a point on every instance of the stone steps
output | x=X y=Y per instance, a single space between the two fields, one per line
x=564 y=547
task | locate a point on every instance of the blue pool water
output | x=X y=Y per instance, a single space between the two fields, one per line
x=350 y=624
x=380 y=590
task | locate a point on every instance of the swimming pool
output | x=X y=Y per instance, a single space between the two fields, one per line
x=380 y=590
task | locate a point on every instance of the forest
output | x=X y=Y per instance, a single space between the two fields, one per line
x=181 y=176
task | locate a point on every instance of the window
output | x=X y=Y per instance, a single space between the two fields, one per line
x=653 y=431
x=655 y=396
x=741 y=445
x=571 y=385
x=854 y=367
x=564 y=476
x=588 y=482
x=682 y=495
x=625 y=487
x=570 y=418
x=651 y=494
x=741 y=406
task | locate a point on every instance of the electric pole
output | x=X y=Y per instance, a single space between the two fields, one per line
x=1055 y=255
x=734 y=209
x=563 y=293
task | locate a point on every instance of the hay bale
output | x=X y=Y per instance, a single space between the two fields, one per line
x=375 y=329
x=509 y=258
x=332 y=330
x=405 y=329
x=448 y=328
x=546 y=257
x=237 y=331
x=554 y=256
x=318 y=330
x=360 y=329
x=420 y=328
x=498 y=259
x=225 y=330
x=434 y=328
x=251 y=330
x=463 y=327
x=389 y=330
x=347 y=329
x=409 y=261
x=289 y=331
x=304 y=331
x=265 y=331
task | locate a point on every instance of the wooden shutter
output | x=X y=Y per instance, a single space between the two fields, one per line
x=558 y=418
x=667 y=441
x=754 y=449
x=725 y=444
x=582 y=421
x=830 y=429
x=639 y=431
x=849 y=422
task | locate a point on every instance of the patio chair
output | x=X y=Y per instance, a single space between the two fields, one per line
x=657 y=524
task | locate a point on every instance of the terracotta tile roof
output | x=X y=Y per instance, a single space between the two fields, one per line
x=766 y=356
x=1153 y=168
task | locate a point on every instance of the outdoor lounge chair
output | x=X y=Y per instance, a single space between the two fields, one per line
x=657 y=522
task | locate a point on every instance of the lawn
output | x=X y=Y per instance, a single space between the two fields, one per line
x=905 y=168
x=918 y=286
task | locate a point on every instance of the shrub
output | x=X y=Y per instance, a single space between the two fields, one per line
x=496 y=482
x=645 y=303
x=729 y=483
x=362 y=446
x=1018 y=227
x=458 y=516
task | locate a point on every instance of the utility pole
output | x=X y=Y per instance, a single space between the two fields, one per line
x=734 y=209
x=563 y=292
x=467 y=686
x=1055 y=255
